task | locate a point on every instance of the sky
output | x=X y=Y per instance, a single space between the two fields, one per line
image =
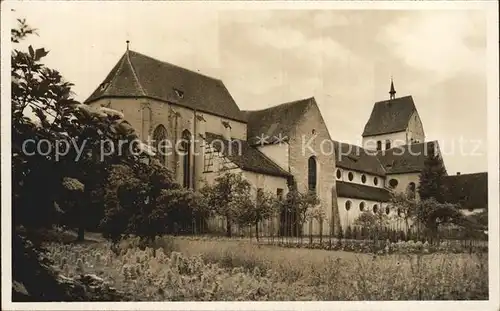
x=342 y=58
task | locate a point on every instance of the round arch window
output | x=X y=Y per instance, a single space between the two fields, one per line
x=339 y=174
x=393 y=183
x=350 y=176
x=411 y=187
x=387 y=210
x=375 y=181
x=363 y=178
x=362 y=206
x=400 y=213
x=348 y=205
x=375 y=208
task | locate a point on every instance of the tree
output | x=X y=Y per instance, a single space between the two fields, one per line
x=372 y=221
x=258 y=210
x=318 y=214
x=81 y=143
x=145 y=201
x=431 y=178
x=405 y=205
x=432 y=214
x=228 y=196
x=46 y=186
x=297 y=204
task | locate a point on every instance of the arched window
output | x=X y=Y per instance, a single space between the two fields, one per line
x=348 y=205
x=411 y=187
x=311 y=175
x=379 y=145
x=160 y=143
x=375 y=208
x=186 y=156
x=375 y=181
x=387 y=210
x=362 y=206
x=387 y=145
x=339 y=174
x=350 y=176
x=363 y=178
x=410 y=190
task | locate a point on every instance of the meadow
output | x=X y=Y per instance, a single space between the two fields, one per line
x=176 y=269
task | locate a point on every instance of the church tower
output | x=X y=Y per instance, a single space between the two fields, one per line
x=393 y=122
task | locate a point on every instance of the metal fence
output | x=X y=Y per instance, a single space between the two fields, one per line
x=288 y=229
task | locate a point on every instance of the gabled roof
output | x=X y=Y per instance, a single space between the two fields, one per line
x=363 y=192
x=138 y=75
x=246 y=157
x=390 y=116
x=406 y=158
x=468 y=190
x=276 y=120
x=356 y=158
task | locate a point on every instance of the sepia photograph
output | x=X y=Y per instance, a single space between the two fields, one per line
x=328 y=152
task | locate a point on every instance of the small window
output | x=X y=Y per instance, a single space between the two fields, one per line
x=379 y=145
x=279 y=194
x=226 y=124
x=363 y=178
x=179 y=93
x=411 y=188
x=388 y=145
x=375 y=208
x=400 y=213
x=311 y=177
x=313 y=131
x=375 y=181
x=350 y=176
x=393 y=183
x=348 y=205
x=339 y=174
x=362 y=206
x=387 y=210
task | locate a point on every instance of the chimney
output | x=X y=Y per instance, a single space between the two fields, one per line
x=458 y=173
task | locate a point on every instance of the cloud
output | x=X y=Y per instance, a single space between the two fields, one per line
x=439 y=42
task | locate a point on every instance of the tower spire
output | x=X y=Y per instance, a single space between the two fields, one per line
x=392 y=92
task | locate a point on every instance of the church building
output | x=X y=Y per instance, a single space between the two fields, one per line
x=198 y=115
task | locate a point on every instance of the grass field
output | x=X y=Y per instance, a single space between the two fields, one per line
x=183 y=269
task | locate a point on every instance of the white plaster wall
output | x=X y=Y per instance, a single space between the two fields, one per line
x=397 y=139
x=277 y=153
x=403 y=181
x=357 y=178
x=348 y=217
x=144 y=115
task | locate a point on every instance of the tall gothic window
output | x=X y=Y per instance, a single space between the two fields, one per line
x=312 y=172
x=160 y=143
x=379 y=145
x=186 y=155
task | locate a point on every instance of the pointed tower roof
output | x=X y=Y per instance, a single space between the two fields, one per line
x=390 y=116
x=137 y=75
x=392 y=91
